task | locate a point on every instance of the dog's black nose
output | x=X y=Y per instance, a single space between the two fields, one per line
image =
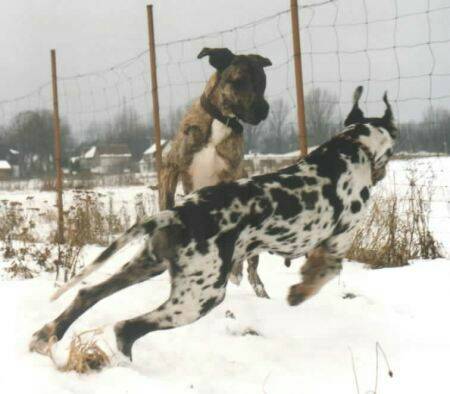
x=261 y=110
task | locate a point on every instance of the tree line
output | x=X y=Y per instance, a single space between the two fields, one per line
x=31 y=132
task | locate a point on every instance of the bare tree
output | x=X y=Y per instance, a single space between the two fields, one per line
x=31 y=133
x=435 y=129
x=252 y=136
x=277 y=131
x=320 y=107
x=430 y=134
x=127 y=128
x=172 y=121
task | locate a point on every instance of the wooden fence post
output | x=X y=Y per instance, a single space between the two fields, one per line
x=57 y=155
x=154 y=81
x=301 y=120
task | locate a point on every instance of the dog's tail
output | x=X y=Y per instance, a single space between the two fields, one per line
x=355 y=115
x=131 y=233
x=388 y=118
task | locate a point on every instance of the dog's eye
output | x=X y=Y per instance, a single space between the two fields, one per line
x=238 y=83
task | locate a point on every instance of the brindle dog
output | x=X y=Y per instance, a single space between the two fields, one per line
x=209 y=146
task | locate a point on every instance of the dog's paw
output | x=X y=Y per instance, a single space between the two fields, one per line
x=260 y=291
x=107 y=340
x=88 y=351
x=236 y=279
x=43 y=339
x=297 y=294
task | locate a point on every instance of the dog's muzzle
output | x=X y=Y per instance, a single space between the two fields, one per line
x=257 y=112
x=261 y=110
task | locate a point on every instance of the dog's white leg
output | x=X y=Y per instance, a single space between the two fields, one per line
x=184 y=306
x=139 y=269
x=236 y=273
x=254 y=279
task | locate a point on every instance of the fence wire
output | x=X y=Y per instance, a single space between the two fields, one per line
x=380 y=44
x=398 y=46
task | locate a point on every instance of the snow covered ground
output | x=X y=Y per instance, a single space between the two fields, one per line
x=327 y=345
x=306 y=349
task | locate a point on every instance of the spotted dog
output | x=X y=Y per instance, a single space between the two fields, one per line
x=312 y=207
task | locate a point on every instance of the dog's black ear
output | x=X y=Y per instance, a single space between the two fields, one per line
x=388 y=118
x=355 y=115
x=219 y=58
x=261 y=60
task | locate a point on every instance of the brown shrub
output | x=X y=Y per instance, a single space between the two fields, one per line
x=396 y=229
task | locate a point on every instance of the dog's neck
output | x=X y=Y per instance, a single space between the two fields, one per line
x=378 y=147
x=215 y=113
x=375 y=173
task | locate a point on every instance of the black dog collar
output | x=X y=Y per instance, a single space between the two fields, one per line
x=213 y=111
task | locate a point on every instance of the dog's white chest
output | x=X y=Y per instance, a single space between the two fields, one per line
x=207 y=164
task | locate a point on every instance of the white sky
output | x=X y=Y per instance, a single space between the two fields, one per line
x=93 y=35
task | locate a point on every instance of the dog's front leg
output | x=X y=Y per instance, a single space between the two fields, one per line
x=320 y=268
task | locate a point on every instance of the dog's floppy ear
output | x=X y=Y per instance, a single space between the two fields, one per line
x=355 y=115
x=219 y=58
x=261 y=60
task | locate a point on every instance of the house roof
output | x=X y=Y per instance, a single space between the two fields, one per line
x=9 y=155
x=152 y=149
x=114 y=150
x=90 y=153
x=4 y=165
x=108 y=151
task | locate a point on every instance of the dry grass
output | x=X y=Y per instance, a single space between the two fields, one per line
x=15 y=222
x=90 y=220
x=87 y=221
x=19 y=270
x=18 y=236
x=396 y=229
x=85 y=355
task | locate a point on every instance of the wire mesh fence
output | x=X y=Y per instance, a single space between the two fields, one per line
x=398 y=46
x=382 y=45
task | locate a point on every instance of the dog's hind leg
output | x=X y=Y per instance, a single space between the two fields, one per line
x=188 y=302
x=321 y=266
x=254 y=279
x=141 y=268
x=236 y=272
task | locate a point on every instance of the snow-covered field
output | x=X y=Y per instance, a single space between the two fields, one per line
x=326 y=345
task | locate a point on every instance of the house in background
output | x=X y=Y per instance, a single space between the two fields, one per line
x=263 y=163
x=106 y=159
x=9 y=163
x=148 y=162
x=5 y=170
